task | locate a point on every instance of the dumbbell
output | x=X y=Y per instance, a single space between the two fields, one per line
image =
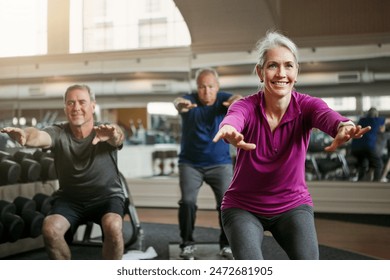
x=33 y=220
x=9 y=169
x=31 y=169
x=19 y=155
x=23 y=204
x=9 y=172
x=1 y=231
x=43 y=202
x=6 y=207
x=4 y=155
x=48 y=171
x=13 y=224
x=40 y=154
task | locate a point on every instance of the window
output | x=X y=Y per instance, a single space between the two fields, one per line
x=381 y=103
x=102 y=25
x=152 y=33
x=161 y=108
x=28 y=35
x=341 y=104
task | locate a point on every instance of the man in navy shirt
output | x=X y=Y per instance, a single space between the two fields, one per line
x=365 y=148
x=200 y=159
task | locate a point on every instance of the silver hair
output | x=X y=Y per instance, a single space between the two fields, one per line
x=81 y=87
x=271 y=40
x=372 y=113
x=202 y=71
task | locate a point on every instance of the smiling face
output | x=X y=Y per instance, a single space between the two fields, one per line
x=279 y=72
x=79 y=107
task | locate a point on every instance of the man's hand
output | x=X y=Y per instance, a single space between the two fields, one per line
x=16 y=134
x=108 y=133
x=183 y=105
x=346 y=133
x=232 y=99
x=230 y=134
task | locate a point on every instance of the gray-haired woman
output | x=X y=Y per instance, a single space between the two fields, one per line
x=271 y=130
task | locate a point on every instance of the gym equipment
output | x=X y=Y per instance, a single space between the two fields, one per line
x=13 y=224
x=21 y=155
x=23 y=204
x=9 y=172
x=31 y=169
x=40 y=154
x=164 y=159
x=134 y=224
x=1 y=231
x=6 y=207
x=4 y=155
x=26 y=209
x=43 y=203
x=9 y=169
x=48 y=171
x=33 y=221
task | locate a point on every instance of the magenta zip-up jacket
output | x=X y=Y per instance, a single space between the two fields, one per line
x=270 y=179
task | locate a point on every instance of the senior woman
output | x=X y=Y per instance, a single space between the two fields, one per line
x=271 y=130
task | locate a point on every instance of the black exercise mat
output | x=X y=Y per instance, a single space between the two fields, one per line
x=161 y=236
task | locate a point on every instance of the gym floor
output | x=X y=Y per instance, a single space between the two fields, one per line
x=362 y=238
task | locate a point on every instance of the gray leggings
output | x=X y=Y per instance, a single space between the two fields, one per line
x=294 y=231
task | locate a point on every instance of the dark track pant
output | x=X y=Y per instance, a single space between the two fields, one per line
x=191 y=178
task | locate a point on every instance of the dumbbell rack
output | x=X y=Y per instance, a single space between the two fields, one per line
x=28 y=190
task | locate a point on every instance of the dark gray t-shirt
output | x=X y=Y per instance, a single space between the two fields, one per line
x=85 y=172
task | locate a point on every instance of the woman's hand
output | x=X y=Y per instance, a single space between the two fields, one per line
x=230 y=134
x=346 y=133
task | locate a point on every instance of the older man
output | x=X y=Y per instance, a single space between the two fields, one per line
x=201 y=160
x=85 y=155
